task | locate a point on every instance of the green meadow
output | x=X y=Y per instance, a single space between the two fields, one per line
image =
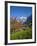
x=22 y=34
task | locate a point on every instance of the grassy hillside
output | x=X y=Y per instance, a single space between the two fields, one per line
x=23 y=34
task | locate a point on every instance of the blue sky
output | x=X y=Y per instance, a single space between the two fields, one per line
x=20 y=11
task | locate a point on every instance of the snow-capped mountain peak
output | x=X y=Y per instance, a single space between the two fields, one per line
x=23 y=19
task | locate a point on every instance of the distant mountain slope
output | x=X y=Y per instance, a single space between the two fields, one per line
x=29 y=18
x=29 y=21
